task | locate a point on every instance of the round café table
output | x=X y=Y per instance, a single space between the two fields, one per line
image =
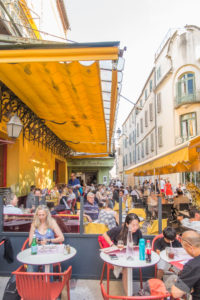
x=129 y=264
x=180 y=257
x=45 y=258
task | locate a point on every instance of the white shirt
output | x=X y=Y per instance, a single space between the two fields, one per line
x=10 y=209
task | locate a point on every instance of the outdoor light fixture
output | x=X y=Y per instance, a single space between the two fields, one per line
x=14 y=127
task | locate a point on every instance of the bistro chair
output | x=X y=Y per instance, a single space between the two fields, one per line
x=104 y=244
x=140 y=212
x=32 y=286
x=106 y=296
x=153 y=228
x=95 y=228
x=116 y=207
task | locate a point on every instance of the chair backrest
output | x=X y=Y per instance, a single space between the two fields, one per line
x=156 y=237
x=24 y=246
x=2 y=242
x=140 y=212
x=95 y=228
x=31 y=286
x=153 y=229
x=107 y=297
x=102 y=242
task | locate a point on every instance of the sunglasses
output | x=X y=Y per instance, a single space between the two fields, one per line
x=185 y=241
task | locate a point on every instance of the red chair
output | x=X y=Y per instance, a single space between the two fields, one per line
x=2 y=242
x=153 y=246
x=24 y=246
x=31 y=286
x=107 y=296
x=104 y=244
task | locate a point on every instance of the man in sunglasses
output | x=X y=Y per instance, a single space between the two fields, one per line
x=188 y=280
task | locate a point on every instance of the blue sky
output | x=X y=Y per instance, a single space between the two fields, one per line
x=138 y=25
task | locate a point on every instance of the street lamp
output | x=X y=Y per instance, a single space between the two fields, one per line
x=14 y=127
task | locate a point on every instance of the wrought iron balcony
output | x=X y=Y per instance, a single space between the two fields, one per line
x=181 y=139
x=187 y=99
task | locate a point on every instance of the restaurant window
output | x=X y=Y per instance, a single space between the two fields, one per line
x=141 y=125
x=150 y=85
x=160 y=138
x=142 y=150
x=147 y=145
x=152 y=142
x=186 y=85
x=151 y=112
x=188 y=125
x=137 y=129
x=146 y=118
x=159 y=103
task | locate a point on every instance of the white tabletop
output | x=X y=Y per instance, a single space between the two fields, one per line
x=26 y=257
x=129 y=264
x=135 y=263
x=180 y=255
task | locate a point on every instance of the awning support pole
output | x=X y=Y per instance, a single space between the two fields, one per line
x=81 y=215
x=120 y=211
x=159 y=214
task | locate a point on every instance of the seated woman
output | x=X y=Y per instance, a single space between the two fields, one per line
x=108 y=216
x=45 y=229
x=120 y=233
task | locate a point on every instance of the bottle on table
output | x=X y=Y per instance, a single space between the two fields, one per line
x=148 y=251
x=34 y=246
x=129 y=245
x=142 y=249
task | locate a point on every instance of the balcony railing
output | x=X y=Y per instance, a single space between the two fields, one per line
x=187 y=99
x=181 y=139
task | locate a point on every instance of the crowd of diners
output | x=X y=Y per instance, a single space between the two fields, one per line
x=99 y=201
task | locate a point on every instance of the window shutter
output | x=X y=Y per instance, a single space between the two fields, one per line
x=138 y=152
x=159 y=103
x=151 y=112
x=141 y=125
x=152 y=142
x=146 y=118
x=160 y=142
x=138 y=130
x=142 y=150
x=147 y=145
x=133 y=136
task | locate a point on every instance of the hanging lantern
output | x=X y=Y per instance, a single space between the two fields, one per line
x=14 y=127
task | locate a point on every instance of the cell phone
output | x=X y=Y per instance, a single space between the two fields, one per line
x=113 y=256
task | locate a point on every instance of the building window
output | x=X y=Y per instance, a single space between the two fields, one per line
x=130 y=157
x=160 y=139
x=186 y=85
x=146 y=94
x=134 y=156
x=132 y=117
x=159 y=103
x=138 y=152
x=146 y=118
x=147 y=145
x=126 y=159
x=130 y=139
x=137 y=129
x=125 y=142
x=152 y=142
x=188 y=125
x=158 y=73
x=151 y=112
x=142 y=150
x=141 y=125
x=150 y=85
x=133 y=134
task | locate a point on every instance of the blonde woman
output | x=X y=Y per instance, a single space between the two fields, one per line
x=45 y=227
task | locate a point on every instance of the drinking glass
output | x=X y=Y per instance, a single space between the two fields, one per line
x=120 y=245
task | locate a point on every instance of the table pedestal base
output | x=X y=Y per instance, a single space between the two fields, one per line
x=129 y=281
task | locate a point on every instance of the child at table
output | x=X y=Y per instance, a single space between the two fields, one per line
x=168 y=240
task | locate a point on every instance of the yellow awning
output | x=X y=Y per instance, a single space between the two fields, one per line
x=66 y=92
x=178 y=160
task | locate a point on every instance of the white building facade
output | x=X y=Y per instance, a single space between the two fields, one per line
x=167 y=112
